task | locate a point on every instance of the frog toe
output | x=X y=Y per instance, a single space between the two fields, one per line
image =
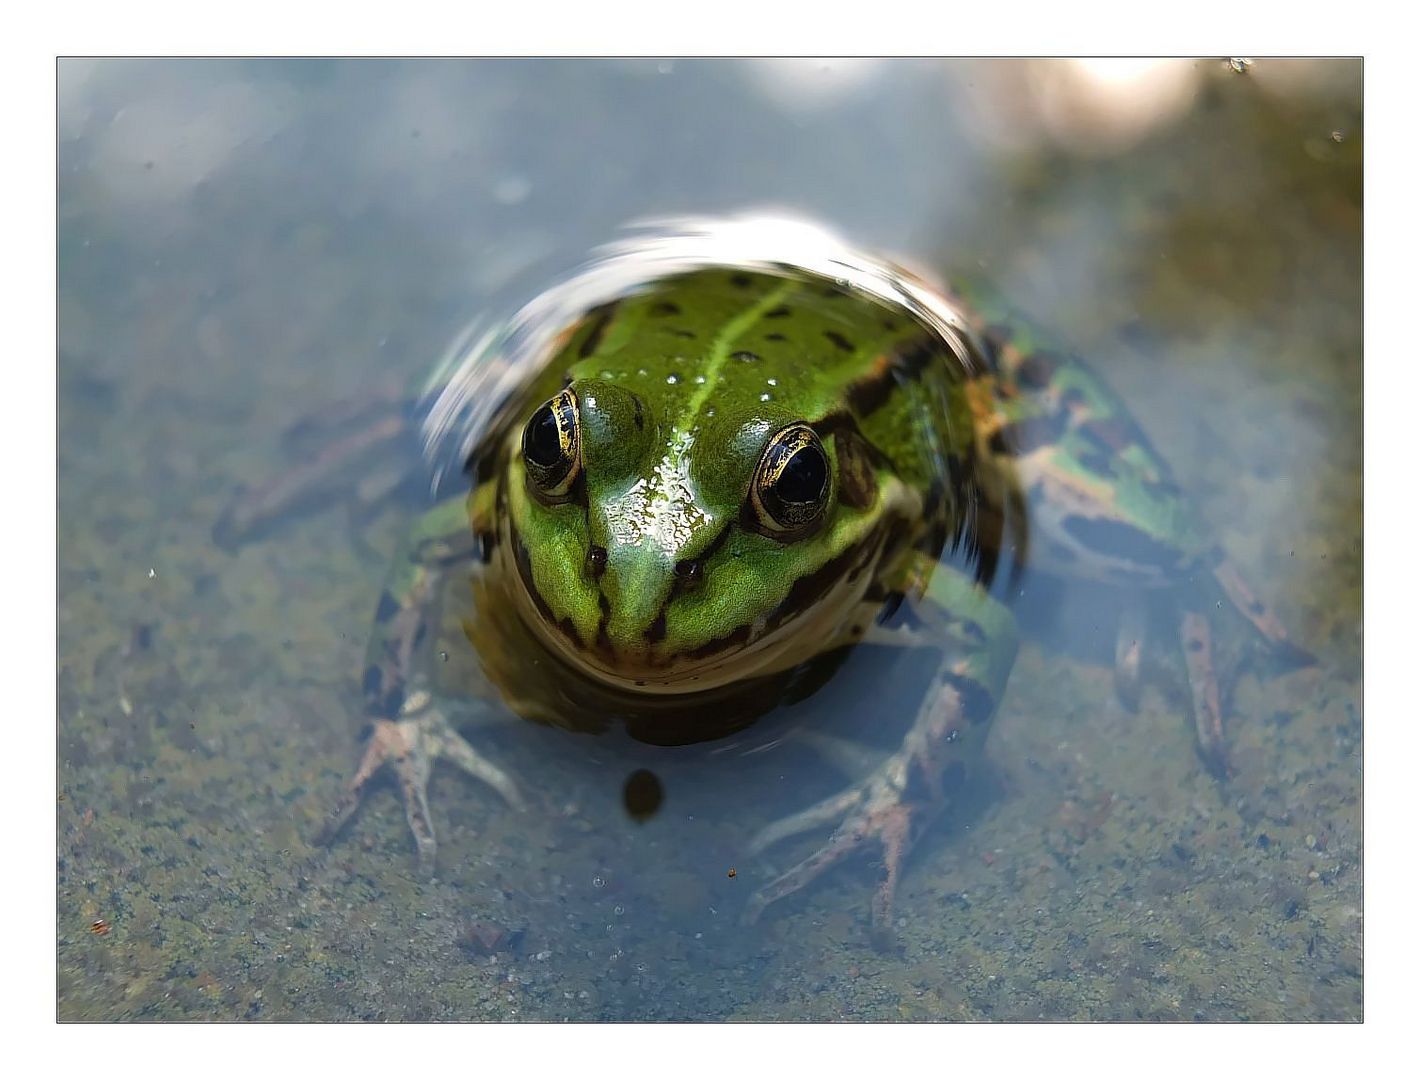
x=1196 y=636
x=831 y=809
x=883 y=821
x=410 y=746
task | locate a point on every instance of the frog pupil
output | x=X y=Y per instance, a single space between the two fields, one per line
x=541 y=442
x=804 y=477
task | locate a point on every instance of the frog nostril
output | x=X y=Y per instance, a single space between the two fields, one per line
x=690 y=573
x=596 y=561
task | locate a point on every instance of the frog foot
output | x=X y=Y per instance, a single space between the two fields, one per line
x=873 y=813
x=410 y=745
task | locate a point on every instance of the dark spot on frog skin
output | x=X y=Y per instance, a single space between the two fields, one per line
x=689 y=574
x=684 y=333
x=596 y=561
x=1037 y=369
x=1121 y=541
x=1030 y=434
x=665 y=307
x=775 y=337
x=387 y=609
x=977 y=703
x=744 y=356
x=741 y=281
x=839 y=341
x=781 y=312
x=995 y=338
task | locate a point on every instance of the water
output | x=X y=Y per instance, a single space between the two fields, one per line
x=243 y=243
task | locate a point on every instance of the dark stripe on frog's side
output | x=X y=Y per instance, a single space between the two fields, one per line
x=1122 y=541
x=1035 y=371
x=599 y=319
x=875 y=389
x=807 y=590
x=524 y=561
x=1030 y=433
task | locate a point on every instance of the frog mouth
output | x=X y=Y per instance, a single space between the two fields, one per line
x=792 y=633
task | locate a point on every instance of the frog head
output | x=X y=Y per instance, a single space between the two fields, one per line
x=675 y=555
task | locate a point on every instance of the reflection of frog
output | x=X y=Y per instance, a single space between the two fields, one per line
x=728 y=470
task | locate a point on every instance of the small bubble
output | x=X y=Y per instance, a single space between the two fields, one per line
x=1239 y=64
x=772 y=382
x=641 y=967
x=608 y=374
x=642 y=371
x=765 y=397
x=710 y=411
x=444 y=656
x=599 y=882
x=618 y=910
x=700 y=380
x=1337 y=136
x=672 y=379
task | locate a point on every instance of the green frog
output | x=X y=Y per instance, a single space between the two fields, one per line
x=693 y=486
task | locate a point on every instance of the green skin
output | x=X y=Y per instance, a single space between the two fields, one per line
x=654 y=570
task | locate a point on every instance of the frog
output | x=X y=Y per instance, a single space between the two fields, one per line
x=694 y=477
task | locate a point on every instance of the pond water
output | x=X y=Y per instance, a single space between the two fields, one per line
x=243 y=244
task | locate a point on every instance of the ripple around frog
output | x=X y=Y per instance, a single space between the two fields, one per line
x=477 y=393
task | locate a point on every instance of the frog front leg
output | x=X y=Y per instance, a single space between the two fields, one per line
x=413 y=731
x=890 y=808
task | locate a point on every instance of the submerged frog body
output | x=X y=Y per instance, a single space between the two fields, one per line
x=687 y=497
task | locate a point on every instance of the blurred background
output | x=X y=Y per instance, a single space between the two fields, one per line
x=243 y=242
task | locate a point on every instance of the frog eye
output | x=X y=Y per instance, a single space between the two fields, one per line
x=552 y=447
x=790 y=488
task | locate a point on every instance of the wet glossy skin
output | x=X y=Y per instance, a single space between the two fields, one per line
x=661 y=568
x=715 y=483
